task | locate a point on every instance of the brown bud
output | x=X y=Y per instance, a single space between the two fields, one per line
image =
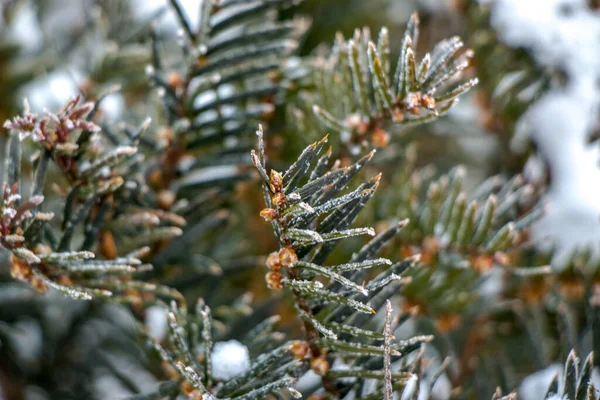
x=108 y=247
x=299 y=349
x=170 y=371
x=406 y=251
x=278 y=199
x=165 y=134
x=412 y=102
x=202 y=61
x=362 y=128
x=273 y=279
x=320 y=366
x=38 y=284
x=155 y=178
x=397 y=115
x=431 y=244
x=166 y=198
x=65 y=280
x=267 y=99
x=428 y=102
x=447 y=322
x=429 y=249
x=196 y=395
x=482 y=263
x=288 y=257
x=19 y=269
x=274 y=76
x=273 y=262
x=380 y=138
x=174 y=79
x=268 y=214
x=414 y=110
x=186 y=388
x=276 y=181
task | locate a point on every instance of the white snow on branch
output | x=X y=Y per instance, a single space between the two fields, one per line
x=156 y=321
x=535 y=386
x=229 y=359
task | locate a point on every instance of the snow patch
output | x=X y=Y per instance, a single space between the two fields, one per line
x=50 y=91
x=564 y=35
x=156 y=321
x=534 y=386
x=24 y=29
x=112 y=106
x=229 y=359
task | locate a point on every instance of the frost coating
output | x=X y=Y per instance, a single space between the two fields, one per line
x=229 y=359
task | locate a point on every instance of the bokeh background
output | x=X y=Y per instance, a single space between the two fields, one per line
x=534 y=113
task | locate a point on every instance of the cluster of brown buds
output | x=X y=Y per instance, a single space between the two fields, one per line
x=379 y=136
x=413 y=103
x=284 y=258
x=300 y=349
x=318 y=363
x=21 y=268
x=278 y=199
x=13 y=212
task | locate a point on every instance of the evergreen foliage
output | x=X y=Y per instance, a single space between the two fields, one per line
x=138 y=247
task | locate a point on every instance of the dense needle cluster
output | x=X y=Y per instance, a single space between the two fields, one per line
x=385 y=278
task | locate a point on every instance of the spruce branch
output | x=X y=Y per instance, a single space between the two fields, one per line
x=189 y=363
x=576 y=384
x=461 y=236
x=307 y=208
x=230 y=76
x=361 y=98
x=94 y=182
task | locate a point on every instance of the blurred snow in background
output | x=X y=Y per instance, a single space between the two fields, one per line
x=565 y=35
x=534 y=386
x=146 y=8
x=25 y=30
x=52 y=88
